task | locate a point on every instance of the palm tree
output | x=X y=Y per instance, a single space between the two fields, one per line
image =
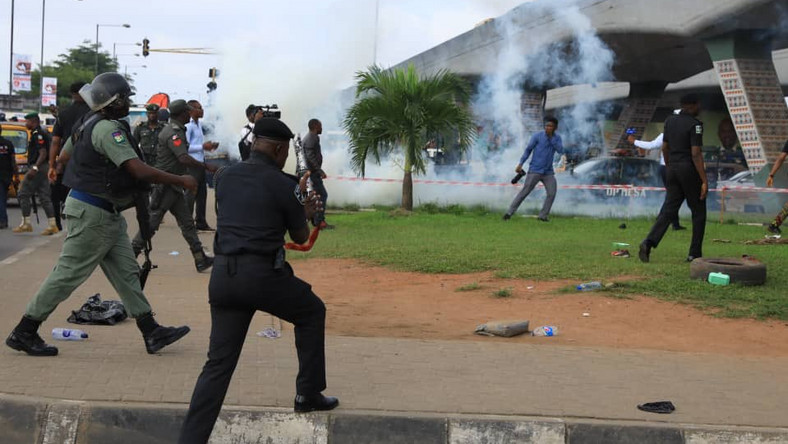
x=396 y=109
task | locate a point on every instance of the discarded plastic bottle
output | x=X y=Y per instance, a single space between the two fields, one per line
x=589 y=286
x=68 y=334
x=547 y=330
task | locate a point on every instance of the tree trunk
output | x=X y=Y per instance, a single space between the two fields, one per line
x=407 y=191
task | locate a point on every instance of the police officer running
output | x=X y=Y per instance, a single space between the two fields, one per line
x=36 y=181
x=104 y=174
x=686 y=178
x=256 y=204
x=172 y=156
x=147 y=133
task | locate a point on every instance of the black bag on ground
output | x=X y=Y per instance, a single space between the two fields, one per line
x=98 y=312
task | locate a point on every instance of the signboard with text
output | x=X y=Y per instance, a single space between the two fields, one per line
x=48 y=91
x=21 y=72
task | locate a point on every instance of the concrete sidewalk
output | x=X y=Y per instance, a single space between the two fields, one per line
x=379 y=375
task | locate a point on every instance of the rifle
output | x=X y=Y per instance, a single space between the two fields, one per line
x=35 y=207
x=143 y=219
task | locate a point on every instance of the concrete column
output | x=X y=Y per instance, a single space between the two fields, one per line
x=532 y=109
x=638 y=111
x=743 y=61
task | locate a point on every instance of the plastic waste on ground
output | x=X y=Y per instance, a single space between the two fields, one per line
x=68 y=334
x=719 y=279
x=546 y=330
x=589 y=286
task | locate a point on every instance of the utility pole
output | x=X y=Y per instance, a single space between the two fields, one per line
x=11 y=55
x=377 y=17
x=41 y=67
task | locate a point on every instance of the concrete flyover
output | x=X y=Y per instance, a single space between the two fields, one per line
x=655 y=43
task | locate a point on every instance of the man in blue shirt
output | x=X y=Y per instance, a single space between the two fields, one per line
x=197 y=147
x=543 y=146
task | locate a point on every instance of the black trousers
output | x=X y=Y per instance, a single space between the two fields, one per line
x=683 y=183
x=320 y=188
x=200 y=198
x=240 y=286
x=58 y=193
x=663 y=175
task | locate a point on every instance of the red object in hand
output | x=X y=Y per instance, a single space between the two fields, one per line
x=309 y=243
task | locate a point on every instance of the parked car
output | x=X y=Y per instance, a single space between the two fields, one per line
x=637 y=171
x=737 y=199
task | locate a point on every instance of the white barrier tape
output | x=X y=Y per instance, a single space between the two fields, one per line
x=563 y=187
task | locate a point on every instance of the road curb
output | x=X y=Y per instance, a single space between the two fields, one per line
x=24 y=421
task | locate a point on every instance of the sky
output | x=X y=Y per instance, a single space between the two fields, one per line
x=259 y=41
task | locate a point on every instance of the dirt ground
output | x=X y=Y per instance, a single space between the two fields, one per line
x=369 y=301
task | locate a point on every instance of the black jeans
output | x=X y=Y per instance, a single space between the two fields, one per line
x=200 y=198
x=683 y=184
x=240 y=286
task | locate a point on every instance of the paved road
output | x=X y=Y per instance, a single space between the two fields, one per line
x=11 y=244
x=374 y=373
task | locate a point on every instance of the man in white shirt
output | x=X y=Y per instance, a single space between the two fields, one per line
x=247 y=138
x=656 y=144
x=197 y=147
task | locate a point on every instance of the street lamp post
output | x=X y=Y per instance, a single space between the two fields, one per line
x=11 y=55
x=125 y=25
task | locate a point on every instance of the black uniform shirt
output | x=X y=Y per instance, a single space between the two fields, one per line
x=67 y=118
x=256 y=205
x=39 y=138
x=785 y=147
x=6 y=160
x=682 y=132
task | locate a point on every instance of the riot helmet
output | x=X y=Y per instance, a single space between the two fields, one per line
x=105 y=89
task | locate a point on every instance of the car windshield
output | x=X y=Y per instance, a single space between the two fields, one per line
x=18 y=138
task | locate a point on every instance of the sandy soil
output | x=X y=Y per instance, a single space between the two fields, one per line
x=372 y=301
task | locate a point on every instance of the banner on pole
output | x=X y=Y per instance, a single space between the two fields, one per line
x=48 y=91
x=21 y=72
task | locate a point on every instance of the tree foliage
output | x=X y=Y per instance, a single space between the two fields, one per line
x=76 y=64
x=397 y=110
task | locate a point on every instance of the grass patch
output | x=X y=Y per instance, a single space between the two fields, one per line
x=503 y=293
x=469 y=287
x=447 y=241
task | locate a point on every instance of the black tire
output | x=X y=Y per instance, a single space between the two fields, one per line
x=742 y=271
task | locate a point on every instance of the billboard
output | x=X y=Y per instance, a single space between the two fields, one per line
x=20 y=72
x=48 y=91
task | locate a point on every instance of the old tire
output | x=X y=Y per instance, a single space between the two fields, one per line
x=742 y=271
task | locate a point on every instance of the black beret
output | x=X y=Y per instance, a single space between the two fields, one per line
x=272 y=128
x=179 y=106
x=152 y=108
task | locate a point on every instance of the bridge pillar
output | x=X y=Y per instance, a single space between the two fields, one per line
x=638 y=111
x=743 y=61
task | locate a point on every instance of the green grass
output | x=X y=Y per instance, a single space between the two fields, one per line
x=469 y=287
x=503 y=293
x=456 y=240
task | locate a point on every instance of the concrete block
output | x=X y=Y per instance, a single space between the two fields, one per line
x=367 y=429
x=255 y=427
x=471 y=431
x=734 y=437
x=21 y=421
x=62 y=420
x=624 y=434
x=128 y=425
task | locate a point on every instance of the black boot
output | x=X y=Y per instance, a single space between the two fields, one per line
x=25 y=338
x=202 y=261
x=156 y=336
x=310 y=403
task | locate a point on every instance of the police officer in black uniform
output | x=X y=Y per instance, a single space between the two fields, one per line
x=256 y=204
x=62 y=131
x=686 y=178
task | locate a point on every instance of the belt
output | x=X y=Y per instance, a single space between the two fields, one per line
x=93 y=200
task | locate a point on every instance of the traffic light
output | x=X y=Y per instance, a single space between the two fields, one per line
x=213 y=73
x=145 y=47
